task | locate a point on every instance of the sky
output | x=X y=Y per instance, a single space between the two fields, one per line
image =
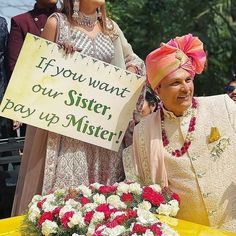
x=18 y=6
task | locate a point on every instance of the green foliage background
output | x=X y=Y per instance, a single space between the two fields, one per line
x=147 y=23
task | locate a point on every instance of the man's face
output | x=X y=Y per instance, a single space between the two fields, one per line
x=176 y=94
x=231 y=90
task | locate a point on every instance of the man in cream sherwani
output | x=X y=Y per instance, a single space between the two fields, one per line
x=190 y=143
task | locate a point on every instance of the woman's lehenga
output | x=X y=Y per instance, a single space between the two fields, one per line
x=71 y=162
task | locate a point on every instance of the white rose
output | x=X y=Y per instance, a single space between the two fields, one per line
x=145 y=205
x=91 y=229
x=135 y=188
x=156 y=187
x=33 y=213
x=49 y=227
x=76 y=219
x=99 y=198
x=174 y=207
x=164 y=209
x=89 y=207
x=85 y=190
x=167 y=231
x=148 y=233
x=96 y=185
x=47 y=206
x=115 y=201
x=72 y=203
x=118 y=230
x=122 y=188
x=115 y=214
x=146 y=217
x=97 y=217
x=50 y=198
x=36 y=198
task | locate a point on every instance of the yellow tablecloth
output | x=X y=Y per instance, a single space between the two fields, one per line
x=11 y=226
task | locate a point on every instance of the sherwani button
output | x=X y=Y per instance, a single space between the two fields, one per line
x=212 y=213
x=36 y=19
x=205 y=195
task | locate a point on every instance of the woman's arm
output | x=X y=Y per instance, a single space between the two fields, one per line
x=132 y=61
x=50 y=29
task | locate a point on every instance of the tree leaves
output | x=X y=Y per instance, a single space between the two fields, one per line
x=147 y=23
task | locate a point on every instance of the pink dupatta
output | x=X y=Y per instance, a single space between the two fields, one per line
x=148 y=155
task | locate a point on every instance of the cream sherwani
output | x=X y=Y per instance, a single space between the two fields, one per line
x=205 y=176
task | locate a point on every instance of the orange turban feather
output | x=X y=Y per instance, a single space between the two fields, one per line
x=181 y=56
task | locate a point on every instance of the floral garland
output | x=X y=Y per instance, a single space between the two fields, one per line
x=189 y=136
x=97 y=210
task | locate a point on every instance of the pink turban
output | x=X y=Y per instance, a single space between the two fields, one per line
x=180 y=57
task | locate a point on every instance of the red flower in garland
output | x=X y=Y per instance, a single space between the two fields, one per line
x=66 y=218
x=84 y=200
x=127 y=197
x=176 y=197
x=56 y=211
x=88 y=217
x=112 y=224
x=152 y=196
x=139 y=229
x=121 y=219
x=45 y=216
x=105 y=209
x=132 y=213
x=107 y=189
x=40 y=203
x=156 y=230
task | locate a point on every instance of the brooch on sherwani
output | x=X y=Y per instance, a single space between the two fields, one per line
x=220 y=146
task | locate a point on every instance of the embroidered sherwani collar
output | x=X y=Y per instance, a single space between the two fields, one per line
x=171 y=115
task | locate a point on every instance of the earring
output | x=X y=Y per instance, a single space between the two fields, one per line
x=75 y=14
x=99 y=13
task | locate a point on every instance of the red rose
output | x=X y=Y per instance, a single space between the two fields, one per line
x=56 y=211
x=156 y=230
x=105 y=209
x=112 y=224
x=127 y=197
x=139 y=229
x=152 y=196
x=176 y=197
x=45 y=216
x=84 y=200
x=107 y=189
x=88 y=217
x=40 y=203
x=131 y=213
x=121 y=219
x=66 y=218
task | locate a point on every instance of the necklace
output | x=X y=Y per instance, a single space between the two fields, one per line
x=88 y=21
x=189 y=136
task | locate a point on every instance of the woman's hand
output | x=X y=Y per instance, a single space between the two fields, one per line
x=69 y=47
x=132 y=69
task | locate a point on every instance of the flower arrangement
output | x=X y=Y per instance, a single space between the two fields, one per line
x=97 y=210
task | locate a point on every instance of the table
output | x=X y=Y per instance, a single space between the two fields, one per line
x=11 y=227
